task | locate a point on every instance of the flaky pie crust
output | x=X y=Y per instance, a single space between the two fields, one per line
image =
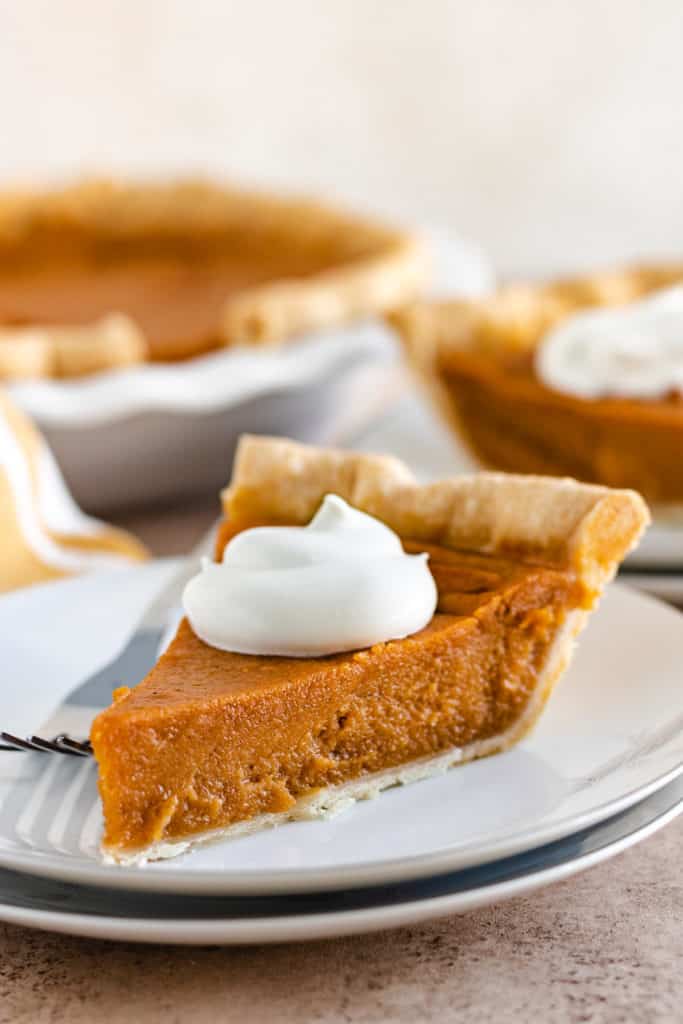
x=516 y=316
x=584 y=527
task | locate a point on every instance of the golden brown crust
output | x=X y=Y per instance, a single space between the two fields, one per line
x=113 y=341
x=366 y=268
x=516 y=316
x=585 y=527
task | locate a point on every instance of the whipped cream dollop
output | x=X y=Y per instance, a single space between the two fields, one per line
x=339 y=584
x=631 y=351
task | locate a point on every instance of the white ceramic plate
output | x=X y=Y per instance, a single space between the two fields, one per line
x=661 y=547
x=611 y=735
x=667 y=586
x=160 y=918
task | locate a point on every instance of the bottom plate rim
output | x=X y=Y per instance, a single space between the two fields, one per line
x=329 y=924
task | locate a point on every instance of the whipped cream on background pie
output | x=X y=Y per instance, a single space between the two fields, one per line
x=631 y=351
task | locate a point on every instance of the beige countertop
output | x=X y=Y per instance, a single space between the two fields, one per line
x=604 y=947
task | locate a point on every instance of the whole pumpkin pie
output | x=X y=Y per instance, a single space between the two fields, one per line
x=101 y=275
x=215 y=743
x=482 y=361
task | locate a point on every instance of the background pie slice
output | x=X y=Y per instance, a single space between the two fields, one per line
x=102 y=274
x=214 y=743
x=476 y=358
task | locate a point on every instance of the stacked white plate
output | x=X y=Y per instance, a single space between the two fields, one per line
x=600 y=772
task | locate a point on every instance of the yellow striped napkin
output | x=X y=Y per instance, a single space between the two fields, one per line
x=43 y=534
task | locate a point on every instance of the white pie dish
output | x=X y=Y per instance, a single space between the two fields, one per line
x=131 y=436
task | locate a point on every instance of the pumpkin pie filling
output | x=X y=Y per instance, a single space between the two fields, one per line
x=515 y=423
x=177 y=302
x=213 y=741
x=266 y=731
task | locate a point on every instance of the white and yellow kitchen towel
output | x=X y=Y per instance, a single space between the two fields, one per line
x=43 y=534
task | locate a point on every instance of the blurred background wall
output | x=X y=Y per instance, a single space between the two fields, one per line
x=550 y=131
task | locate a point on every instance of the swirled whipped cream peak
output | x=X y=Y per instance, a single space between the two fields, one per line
x=339 y=584
x=631 y=351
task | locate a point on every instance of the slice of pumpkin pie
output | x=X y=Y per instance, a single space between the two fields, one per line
x=356 y=630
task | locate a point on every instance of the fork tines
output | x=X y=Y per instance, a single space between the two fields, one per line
x=61 y=744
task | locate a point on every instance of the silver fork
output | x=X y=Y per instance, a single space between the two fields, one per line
x=60 y=744
x=129 y=665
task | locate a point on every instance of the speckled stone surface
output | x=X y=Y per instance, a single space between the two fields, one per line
x=605 y=947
